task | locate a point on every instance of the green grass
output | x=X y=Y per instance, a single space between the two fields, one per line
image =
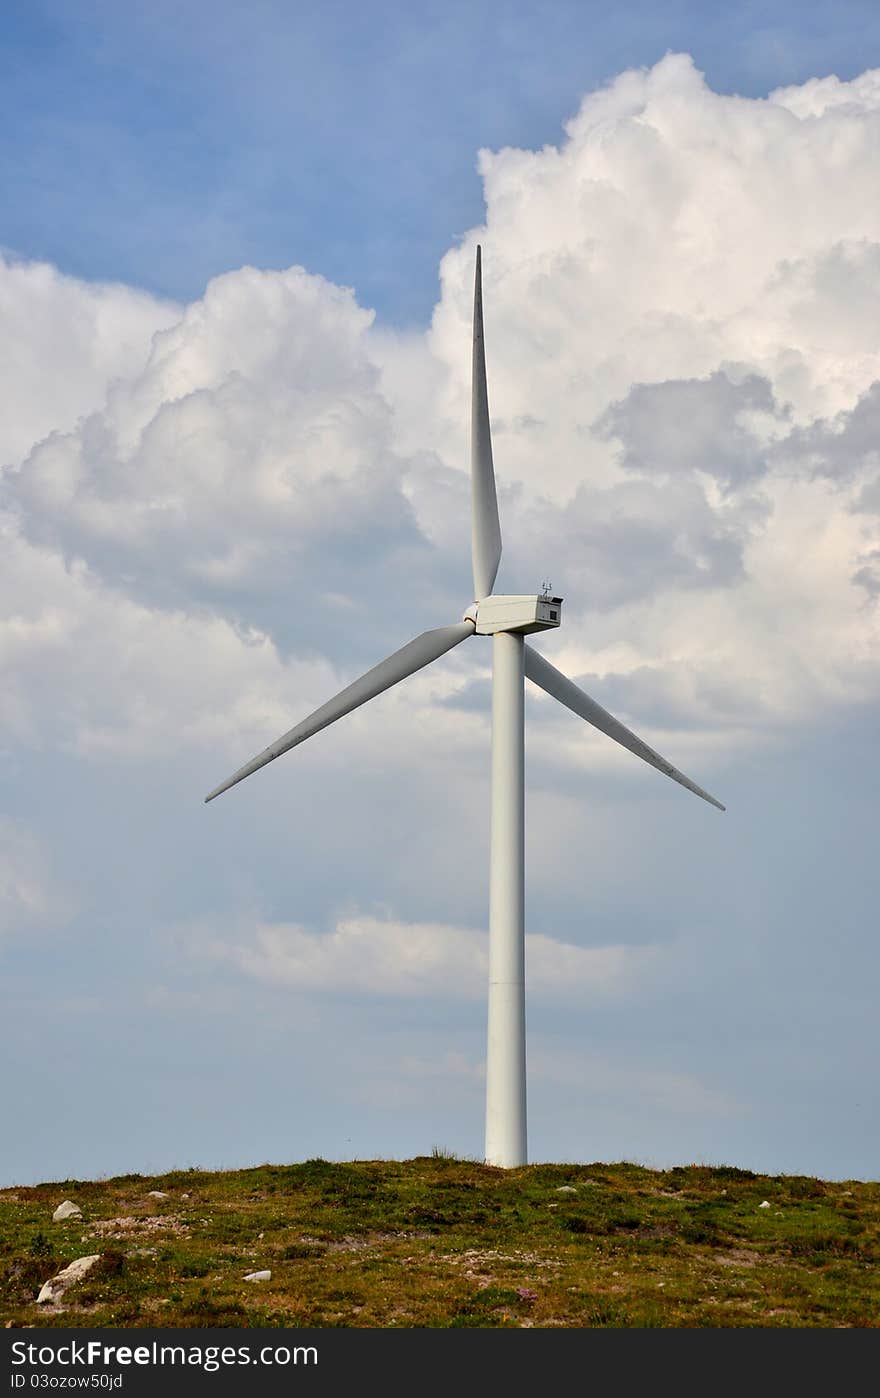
x=443 y=1242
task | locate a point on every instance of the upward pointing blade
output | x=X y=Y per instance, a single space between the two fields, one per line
x=485 y=527
x=411 y=657
x=547 y=677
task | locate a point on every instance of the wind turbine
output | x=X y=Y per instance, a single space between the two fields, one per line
x=507 y=619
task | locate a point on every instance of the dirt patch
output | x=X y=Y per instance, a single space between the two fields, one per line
x=475 y=1260
x=737 y=1257
x=128 y=1227
x=363 y=1242
x=655 y=1231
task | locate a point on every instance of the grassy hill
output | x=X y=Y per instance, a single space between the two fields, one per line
x=438 y=1241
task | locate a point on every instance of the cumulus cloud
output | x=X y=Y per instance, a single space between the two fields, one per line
x=675 y=228
x=681 y=307
x=817 y=96
x=249 y=464
x=693 y=425
x=365 y=955
x=845 y=448
x=64 y=342
x=90 y=670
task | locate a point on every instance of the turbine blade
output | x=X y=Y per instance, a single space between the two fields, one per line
x=411 y=657
x=548 y=678
x=485 y=526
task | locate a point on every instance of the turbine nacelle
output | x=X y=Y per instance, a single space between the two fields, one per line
x=521 y=613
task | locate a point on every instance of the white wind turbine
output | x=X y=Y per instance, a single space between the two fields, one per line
x=508 y=619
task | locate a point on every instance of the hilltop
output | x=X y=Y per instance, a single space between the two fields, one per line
x=438 y=1241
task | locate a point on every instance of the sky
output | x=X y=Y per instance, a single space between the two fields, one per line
x=236 y=270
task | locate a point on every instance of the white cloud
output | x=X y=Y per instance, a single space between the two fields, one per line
x=31 y=899
x=681 y=304
x=673 y=230
x=817 y=96
x=366 y=955
x=64 y=342
x=91 y=671
x=251 y=448
x=681 y=307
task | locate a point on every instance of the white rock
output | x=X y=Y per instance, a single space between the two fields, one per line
x=259 y=1276
x=53 y=1290
x=67 y=1210
x=566 y=1189
x=765 y=1205
x=156 y=1194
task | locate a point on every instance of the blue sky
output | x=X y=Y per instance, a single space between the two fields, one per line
x=163 y=144
x=237 y=258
